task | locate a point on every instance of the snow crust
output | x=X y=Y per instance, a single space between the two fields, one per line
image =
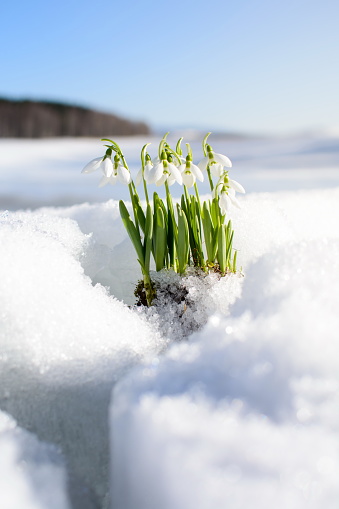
x=242 y=413
x=245 y=413
x=63 y=344
x=32 y=475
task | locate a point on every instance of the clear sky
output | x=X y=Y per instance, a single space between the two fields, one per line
x=248 y=65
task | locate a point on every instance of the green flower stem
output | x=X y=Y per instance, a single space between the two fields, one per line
x=204 y=143
x=145 y=188
x=132 y=192
x=197 y=195
x=187 y=196
x=210 y=178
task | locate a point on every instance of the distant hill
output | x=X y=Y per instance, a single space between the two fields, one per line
x=42 y=119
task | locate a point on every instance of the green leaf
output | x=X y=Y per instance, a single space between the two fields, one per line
x=183 y=241
x=222 y=259
x=234 y=267
x=139 y=213
x=208 y=232
x=229 y=249
x=160 y=240
x=215 y=213
x=132 y=232
x=148 y=237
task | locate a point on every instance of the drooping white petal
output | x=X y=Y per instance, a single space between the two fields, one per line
x=107 y=167
x=224 y=160
x=104 y=180
x=147 y=172
x=203 y=163
x=224 y=202
x=113 y=180
x=162 y=179
x=197 y=172
x=174 y=171
x=182 y=167
x=216 y=169
x=171 y=180
x=153 y=174
x=92 y=165
x=188 y=179
x=234 y=201
x=236 y=186
x=123 y=175
x=138 y=177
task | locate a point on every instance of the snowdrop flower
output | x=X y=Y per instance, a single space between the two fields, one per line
x=119 y=174
x=190 y=173
x=162 y=171
x=105 y=164
x=227 y=199
x=147 y=171
x=236 y=186
x=216 y=162
x=226 y=189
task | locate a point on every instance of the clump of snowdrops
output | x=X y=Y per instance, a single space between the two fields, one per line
x=180 y=235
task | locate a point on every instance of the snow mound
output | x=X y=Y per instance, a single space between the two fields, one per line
x=244 y=414
x=63 y=342
x=32 y=475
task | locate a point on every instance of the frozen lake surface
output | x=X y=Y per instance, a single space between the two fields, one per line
x=101 y=407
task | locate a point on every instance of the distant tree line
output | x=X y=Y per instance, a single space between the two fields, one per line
x=40 y=119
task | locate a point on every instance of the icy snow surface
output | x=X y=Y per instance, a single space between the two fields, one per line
x=242 y=413
x=32 y=475
x=63 y=344
x=245 y=414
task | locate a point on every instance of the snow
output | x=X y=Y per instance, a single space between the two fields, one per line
x=245 y=413
x=64 y=342
x=240 y=413
x=32 y=475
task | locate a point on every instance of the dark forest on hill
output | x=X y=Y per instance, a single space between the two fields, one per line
x=40 y=119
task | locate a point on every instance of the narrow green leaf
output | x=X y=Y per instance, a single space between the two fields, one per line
x=148 y=237
x=234 y=268
x=132 y=232
x=183 y=241
x=229 y=249
x=138 y=211
x=160 y=240
x=222 y=248
x=208 y=232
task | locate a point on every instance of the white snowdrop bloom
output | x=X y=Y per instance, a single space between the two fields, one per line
x=162 y=171
x=120 y=174
x=93 y=165
x=236 y=186
x=105 y=165
x=217 y=169
x=215 y=161
x=138 y=177
x=227 y=199
x=147 y=169
x=224 y=202
x=190 y=173
x=226 y=189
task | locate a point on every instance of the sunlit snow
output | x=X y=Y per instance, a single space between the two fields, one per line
x=242 y=412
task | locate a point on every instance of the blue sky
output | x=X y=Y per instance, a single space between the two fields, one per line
x=264 y=66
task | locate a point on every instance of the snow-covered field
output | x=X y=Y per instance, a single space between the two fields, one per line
x=100 y=407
